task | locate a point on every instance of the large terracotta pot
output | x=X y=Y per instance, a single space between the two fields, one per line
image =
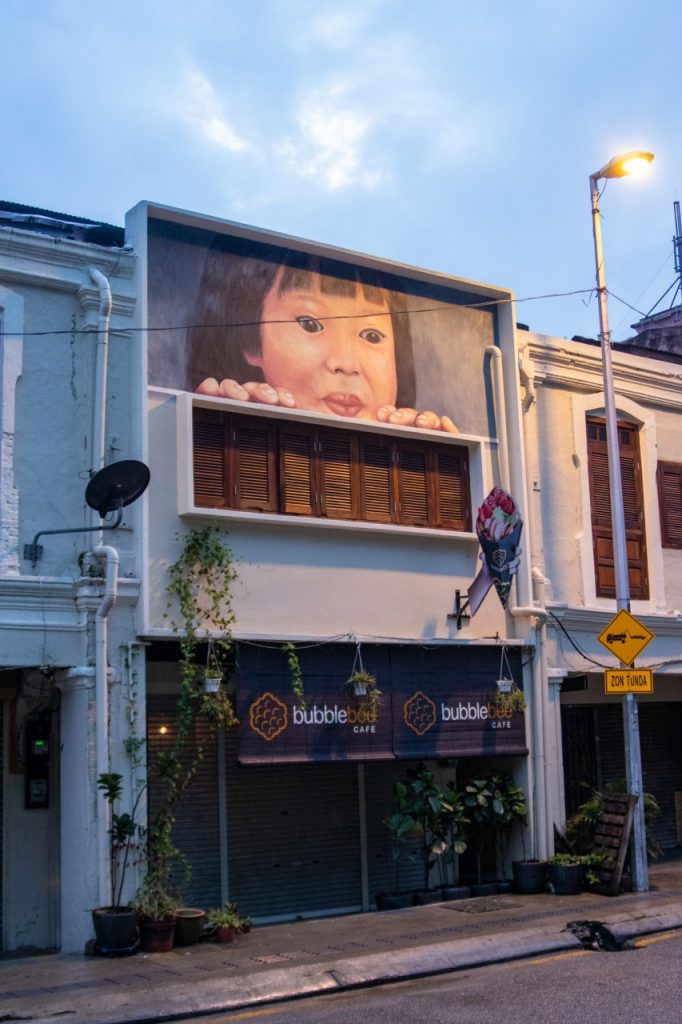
x=156 y=936
x=189 y=925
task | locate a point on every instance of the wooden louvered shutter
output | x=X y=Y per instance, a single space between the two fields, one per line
x=669 y=476
x=376 y=479
x=210 y=459
x=253 y=453
x=297 y=470
x=633 y=505
x=413 y=484
x=338 y=465
x=451 y=486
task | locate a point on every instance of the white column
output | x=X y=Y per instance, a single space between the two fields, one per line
x=556 y=797
x=78 y=822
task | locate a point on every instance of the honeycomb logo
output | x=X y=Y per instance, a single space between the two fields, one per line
x=268 y=716
x=419 y=713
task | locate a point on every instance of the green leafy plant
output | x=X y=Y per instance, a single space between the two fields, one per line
x=581 y=826
x=155 y=902
x=451 y=826
x=200 y=591
x=492 y=804
x=123 y=832
x=364 y=686
x=424 y=801
x=511 y=701
x=228 y=916
x=514 y=816
x=295 y=674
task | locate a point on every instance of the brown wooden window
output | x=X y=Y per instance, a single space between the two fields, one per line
x=260 y=464
x=633 y=504
x=669 y=476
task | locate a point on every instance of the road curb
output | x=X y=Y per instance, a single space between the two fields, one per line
x=300 y=981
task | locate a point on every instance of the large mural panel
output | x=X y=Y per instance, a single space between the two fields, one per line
x=301 y=327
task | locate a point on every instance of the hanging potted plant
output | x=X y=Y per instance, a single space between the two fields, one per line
x=509 y=696
x=213 y=673
x=363 y=685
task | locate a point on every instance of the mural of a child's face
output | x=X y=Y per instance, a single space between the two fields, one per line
x=334 y=353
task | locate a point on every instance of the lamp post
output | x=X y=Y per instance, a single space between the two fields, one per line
x=618 y=167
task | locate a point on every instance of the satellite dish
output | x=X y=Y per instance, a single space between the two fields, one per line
x=109 y=490
x=117 y=485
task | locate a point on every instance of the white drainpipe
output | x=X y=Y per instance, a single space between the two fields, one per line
x=102 y=709
x=99 y=413
x=500 y=416
x=109 y=553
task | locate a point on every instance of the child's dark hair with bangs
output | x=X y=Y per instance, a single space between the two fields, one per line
x=237 y=276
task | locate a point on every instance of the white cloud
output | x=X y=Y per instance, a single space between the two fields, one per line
x=199 y=105
x=329 y=145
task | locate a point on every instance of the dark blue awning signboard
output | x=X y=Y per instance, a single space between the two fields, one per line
x=444 y=721
x=436 y=705
x=331 y=727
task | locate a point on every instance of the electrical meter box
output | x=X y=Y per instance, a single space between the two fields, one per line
x=37 y=763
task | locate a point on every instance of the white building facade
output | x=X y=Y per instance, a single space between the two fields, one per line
x=563 y=409
x=67 y=407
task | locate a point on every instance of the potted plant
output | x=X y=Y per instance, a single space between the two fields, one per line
x=157 y=909
x=189 y=925
x=401 y=828
x=509 y=697
x=116 y=926
x=489 y=811
x=364 y=686
x=581 y=826
x=424 y=802
x=514 y=800
x=227 y=923
x=568 y=872
x=453 y=833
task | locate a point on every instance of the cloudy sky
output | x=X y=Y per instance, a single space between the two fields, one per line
x=448 y=134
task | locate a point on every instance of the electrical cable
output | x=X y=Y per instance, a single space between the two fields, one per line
x=574 y=644
x=259 y=323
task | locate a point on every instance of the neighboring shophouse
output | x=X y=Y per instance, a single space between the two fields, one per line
x=67 y=403
x=563 y=409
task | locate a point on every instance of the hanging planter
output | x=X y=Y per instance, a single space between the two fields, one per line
x=363 y=685
x=509 y=695
x=213 y=674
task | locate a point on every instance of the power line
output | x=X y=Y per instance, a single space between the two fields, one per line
x=259 y=323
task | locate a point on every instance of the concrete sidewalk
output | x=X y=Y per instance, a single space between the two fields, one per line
x=303 y=958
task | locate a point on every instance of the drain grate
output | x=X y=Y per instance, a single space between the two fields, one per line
x=481 y=905
x=273 y=958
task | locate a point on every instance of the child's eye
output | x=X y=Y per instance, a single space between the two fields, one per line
x=371 y=335
x=310 y=324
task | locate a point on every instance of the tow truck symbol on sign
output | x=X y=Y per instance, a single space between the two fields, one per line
x=625 y=637
x=621 y=638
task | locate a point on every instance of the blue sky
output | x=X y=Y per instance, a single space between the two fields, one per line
x=456 y=136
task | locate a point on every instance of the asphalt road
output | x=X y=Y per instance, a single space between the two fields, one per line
x=638 y=986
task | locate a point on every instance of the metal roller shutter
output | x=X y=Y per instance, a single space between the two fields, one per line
x=197 y=829
x=293 y=837
x=380 y=778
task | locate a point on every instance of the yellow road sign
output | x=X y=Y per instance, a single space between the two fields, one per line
x=625 y=637
x=628 y=680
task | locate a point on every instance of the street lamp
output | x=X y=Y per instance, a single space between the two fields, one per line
x=618 y=167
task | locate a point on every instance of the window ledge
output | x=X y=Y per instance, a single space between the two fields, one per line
x=315 y=522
